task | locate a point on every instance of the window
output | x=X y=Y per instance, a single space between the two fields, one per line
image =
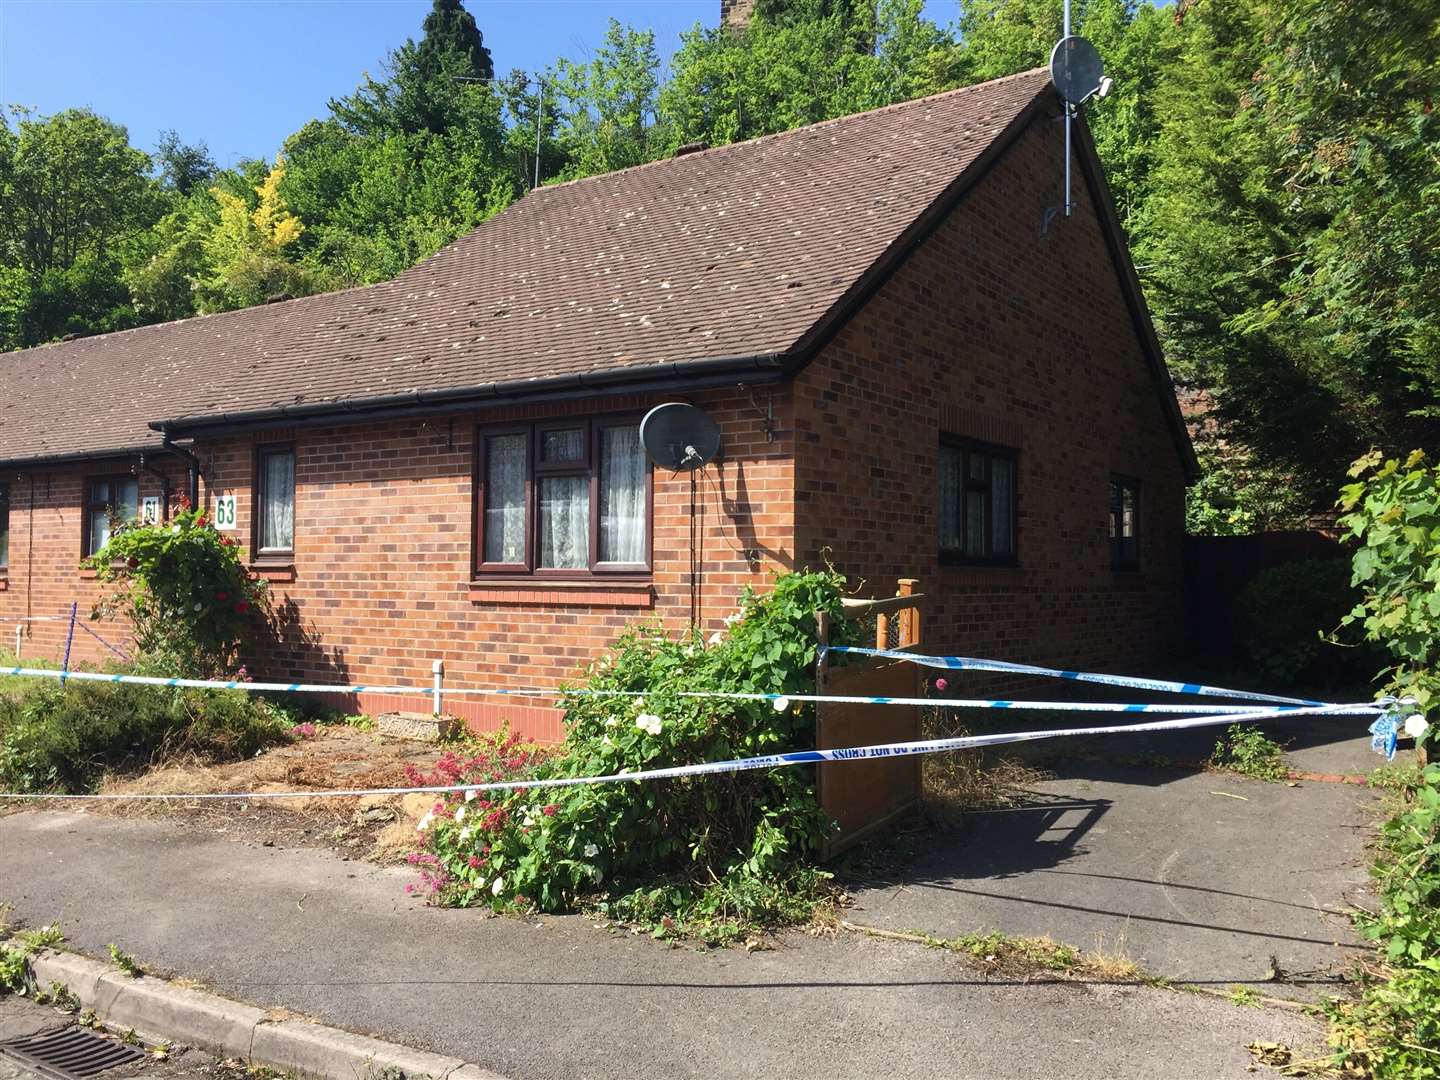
x=1124 y=523
x=563 y=500
x=274 y=501
x=4 y=528
x=977 y=502
x=110 y=501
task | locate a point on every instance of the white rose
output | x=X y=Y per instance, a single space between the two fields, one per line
x=198 y=605
x=471 y=794
x=591 y=851
x=424 y=822
x=497 y=886
x=717 y=637
x=733 y=618
x=1416 y=725
x=459 y=814
x=781 y=704
x=649 y=723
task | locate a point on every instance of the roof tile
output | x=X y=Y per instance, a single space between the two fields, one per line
x=735 y=251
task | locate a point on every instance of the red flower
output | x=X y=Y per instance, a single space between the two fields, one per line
x=549 y=811
x=241 y=608
x=222 y=596
x=132 y=562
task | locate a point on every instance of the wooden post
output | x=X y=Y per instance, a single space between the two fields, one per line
x=910 y=619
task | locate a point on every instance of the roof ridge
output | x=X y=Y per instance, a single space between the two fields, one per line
x=695 y=155
x=264 y=305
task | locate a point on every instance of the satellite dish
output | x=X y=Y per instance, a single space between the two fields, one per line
x=1076 y=69
x=679 y=437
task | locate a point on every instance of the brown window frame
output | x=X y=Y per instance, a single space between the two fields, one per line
x=991 y=452
x=535 y=470
x=1120 y=559
x=91 y=507
x=4 y=529
x=257 y=509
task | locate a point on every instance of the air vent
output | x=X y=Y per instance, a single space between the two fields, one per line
x=69 y=1053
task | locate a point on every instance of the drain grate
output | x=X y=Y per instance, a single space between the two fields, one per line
x=69 y=1053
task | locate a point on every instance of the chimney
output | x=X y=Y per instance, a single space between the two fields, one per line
x=735 y=14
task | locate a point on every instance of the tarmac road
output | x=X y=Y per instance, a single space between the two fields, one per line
x=339 y=941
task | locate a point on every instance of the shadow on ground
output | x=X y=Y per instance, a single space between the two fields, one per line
x=1196 y=876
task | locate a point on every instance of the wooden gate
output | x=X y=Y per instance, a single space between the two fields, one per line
x=864 y=796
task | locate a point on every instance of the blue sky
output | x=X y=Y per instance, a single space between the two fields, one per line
x=243 y=74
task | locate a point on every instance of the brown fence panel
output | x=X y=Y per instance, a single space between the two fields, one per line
x=867 y=795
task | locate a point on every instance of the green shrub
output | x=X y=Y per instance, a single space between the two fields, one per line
x=696 y=854
x=1394 y=1028
x=1393 y=513
x=65 y=738
x=184 y=590
x=1245 y=749
x=1280 y=617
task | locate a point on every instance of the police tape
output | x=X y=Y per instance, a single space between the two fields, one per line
x=1132 y=682
x=769 y=761
x=778 y=699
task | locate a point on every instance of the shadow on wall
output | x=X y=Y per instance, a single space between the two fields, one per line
x=737 y=509
x=295 y=650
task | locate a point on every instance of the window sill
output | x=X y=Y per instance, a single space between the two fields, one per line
x=273 y=571
x=89 y=573
x=557 y=592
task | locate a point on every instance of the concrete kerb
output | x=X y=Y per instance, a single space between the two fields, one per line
x=159 y=1010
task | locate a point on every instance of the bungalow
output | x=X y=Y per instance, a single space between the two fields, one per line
x=918 y=369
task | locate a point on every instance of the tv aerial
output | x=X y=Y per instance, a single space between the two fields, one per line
x=683 y=438
x=1078 y=74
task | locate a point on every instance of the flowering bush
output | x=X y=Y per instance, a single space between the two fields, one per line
x=184 y=588
x=706 y=851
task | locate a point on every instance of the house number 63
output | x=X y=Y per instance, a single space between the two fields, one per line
x=225 y=512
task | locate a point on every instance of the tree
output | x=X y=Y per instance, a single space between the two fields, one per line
x=1288 y=225
x=183 y=167
x=450 y=30
x=246 y=249
x=77 y=196
x=608 y=107
x=426 y=84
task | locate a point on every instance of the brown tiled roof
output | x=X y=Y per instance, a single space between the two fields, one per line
x=738 y=251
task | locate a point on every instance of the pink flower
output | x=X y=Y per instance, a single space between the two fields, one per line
x=941 y=685
x=549 y=811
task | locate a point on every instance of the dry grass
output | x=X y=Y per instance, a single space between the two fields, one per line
x=971 y=779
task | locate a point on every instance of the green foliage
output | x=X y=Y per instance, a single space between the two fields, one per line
x=1392 y=511
x=1245 y=749
x=701 y=855
x=1393 y=1030
x=185 y=591
x=1283 y=616
x=15 y=977
x=1236 y=496
x=1285 y=236
x=124 y=961
x=65 y=738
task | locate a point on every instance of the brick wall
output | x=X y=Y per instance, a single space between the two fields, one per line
x=991 y=331
x=44 y=578
x=379 y=586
